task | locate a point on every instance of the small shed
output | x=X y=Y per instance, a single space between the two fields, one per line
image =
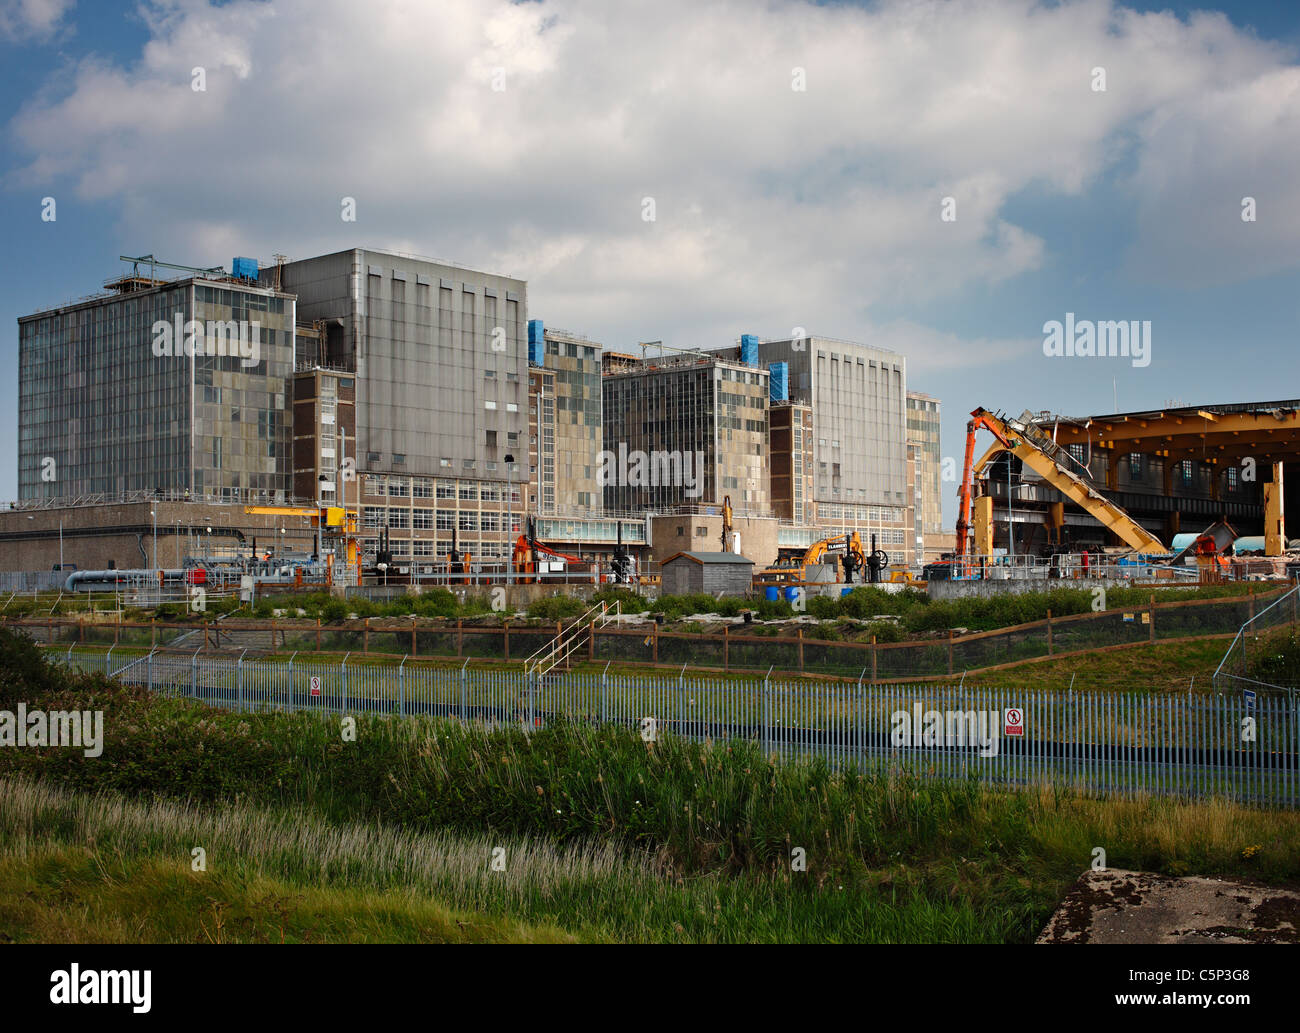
x=712 y=572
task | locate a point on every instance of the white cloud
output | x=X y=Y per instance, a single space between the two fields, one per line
x=776 y=207
x=26 y=21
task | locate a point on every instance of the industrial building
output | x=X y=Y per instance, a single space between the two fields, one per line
x=1173 y=471
x=179 y=385
x=683 y=430
x=418 y=395
x=439 y=354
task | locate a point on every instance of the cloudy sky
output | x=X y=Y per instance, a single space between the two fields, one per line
x=1091 y=157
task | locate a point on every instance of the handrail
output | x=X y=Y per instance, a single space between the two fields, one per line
x=557 y=651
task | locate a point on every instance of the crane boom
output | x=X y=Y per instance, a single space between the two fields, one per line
x=1042 y=455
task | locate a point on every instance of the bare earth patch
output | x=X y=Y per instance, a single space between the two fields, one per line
x=1115 y=906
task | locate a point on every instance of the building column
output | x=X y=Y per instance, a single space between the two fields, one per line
x=983 y=514
x=1274 y=516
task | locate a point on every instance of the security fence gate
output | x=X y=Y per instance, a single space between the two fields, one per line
x=1193 y=744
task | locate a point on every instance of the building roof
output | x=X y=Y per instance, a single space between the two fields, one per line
x=708 y=557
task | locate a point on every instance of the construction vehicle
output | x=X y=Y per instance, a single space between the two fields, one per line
x=533 y=557
x=333 y=524
x=1062 y=471
x=845 y=551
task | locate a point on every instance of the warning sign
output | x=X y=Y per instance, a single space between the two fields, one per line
x=1014 y=722
x=315 y=686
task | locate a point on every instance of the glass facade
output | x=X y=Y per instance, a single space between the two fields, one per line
x=101 y=411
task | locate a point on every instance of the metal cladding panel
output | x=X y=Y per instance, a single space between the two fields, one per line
x=779 y=382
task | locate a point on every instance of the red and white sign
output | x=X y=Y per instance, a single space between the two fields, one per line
x=1014 y=721
x=315 y=686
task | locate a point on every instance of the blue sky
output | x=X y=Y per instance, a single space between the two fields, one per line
x=775 y=207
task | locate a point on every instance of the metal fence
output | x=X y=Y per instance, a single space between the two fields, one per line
x=1190 y=745
x=758 y=647
x=1264 y=655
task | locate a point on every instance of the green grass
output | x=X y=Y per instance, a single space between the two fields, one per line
x=312 y=835
x=1149 y=667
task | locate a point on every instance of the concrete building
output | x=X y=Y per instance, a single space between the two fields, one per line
x=926 y=468
x=790 y=436
x=858 y=397
x=325 y=436
x=570 y=435
x=699 y=529
x=685 y=430
x=441 y=367
x=172 y=385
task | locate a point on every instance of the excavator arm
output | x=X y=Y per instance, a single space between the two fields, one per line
x=1051 y=462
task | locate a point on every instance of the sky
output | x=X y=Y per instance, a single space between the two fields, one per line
x=940 y=178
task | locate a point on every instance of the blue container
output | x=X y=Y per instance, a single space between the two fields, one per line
x=536 y=342
x=845 y=590
x=791 y=594
x=779 y=381
x=772 y=593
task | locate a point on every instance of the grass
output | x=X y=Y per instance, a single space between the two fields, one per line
x=1150 y=667
x=313 y=835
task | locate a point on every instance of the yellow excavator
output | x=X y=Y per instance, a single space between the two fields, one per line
x=846 y=551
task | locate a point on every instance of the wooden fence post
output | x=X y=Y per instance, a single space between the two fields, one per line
x=800 y=634
x=873 y=657
x=950 y=650
x=365 y=637
x=506 y=636
x=1049 y=632
x=318 y=634
x=460 y=635
x=726 y=647
x=654 y=633
x=1151 y=637
x=591 y=640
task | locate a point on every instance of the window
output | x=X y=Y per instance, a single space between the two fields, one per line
x=422 y=519
x=1135 y=464
x=399 y=518
x=1187 y=470
x=469 y=492
x=489 y=405
x=372 y=516
x=399 y=458
x=468 y=521
x=446 y=519
x=1232 y=478
x=511 y=407
x=444 y=462
x=701 y=531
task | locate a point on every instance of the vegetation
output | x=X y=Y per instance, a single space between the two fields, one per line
x=310 y=835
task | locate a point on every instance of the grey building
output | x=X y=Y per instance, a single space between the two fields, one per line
x=858 y=395
x=440 y=357
x=712 y=572
x=685 y=431
x=174 y=385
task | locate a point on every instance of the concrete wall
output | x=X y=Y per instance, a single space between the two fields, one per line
x=989 y=589
x=95 y=535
